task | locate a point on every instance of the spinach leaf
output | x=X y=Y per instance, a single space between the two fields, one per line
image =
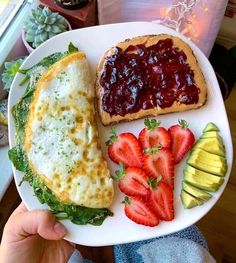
x=17 y=156
x=19 y=112
x=45 y=63
x=72 y=48
x=93 y=216
x=77 y=214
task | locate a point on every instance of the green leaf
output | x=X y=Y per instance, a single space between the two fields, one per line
x=126 y=200
x=153 y=150
x=29 y=38
x=153 y=182
x=151 y=124
x=47 y=28
x=51 y=34
x=18 y=158
x=40 y=18
x=121 y=172
x=113 y=137
x=63 y=27
x=72 y=48
x=184 y=124
x=77 y=214
x=44 y=36
x=56 y=29
x=46 y=62
x=24 y=80
x=42 y=26
x=9 y=71
x=52 y=21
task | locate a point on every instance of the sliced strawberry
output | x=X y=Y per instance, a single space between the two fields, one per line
x=161 y=200
x=182 y=140
x=153 y=135
x=133 y=181
x=138 y=211
x=124 y=148
x=159 y=161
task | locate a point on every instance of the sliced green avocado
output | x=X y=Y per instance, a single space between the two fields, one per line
x=211 y=158
x=212 y=145
x=210 y=127
x=202 y=180
x=205 y=167
x=196 y=192
x=189 y=201
x=210 y=134
x=208 y=162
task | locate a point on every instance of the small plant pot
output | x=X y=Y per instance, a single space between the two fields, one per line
x=72 y=6
x=27 y=45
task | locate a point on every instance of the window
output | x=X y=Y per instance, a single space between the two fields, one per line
x=8 y=9
x=12 y=15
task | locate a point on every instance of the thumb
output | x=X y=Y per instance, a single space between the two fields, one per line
x=41 y=222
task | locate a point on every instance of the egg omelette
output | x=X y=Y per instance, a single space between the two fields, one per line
x=61 y=137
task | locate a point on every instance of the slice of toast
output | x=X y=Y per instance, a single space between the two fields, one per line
x=130 y=46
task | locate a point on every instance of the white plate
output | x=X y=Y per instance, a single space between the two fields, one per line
x=119 y=229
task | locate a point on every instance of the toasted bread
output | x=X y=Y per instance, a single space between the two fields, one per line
x=150 y=40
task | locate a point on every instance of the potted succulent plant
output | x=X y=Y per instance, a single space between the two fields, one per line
x=41 y=25
x=10 y=69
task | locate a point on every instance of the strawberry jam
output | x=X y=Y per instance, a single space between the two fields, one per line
x=143 y=77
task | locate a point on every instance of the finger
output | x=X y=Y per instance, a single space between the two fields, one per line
x=40 y=222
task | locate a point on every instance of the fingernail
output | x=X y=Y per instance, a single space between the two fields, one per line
x=60 y=229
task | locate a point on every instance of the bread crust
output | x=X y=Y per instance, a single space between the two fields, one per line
x=149 y=40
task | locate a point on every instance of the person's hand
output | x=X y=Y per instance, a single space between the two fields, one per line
x=34 y=236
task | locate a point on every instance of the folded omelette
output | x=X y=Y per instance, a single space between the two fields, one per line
x=60 y=141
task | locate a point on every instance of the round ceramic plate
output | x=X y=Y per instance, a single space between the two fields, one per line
x=94 y=41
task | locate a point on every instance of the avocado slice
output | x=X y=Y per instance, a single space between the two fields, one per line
x=212 y=145
x=210 y=134
x=189 y=201
x=196 y=192
x=202 y=180
x=212 y=158
x=205 y=167
x=211 y=127
x=208 y=162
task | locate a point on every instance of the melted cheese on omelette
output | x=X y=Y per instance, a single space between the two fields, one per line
x=61 y=138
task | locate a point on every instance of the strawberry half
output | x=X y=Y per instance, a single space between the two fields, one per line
x=159 y=161
x=138 y=211
x=124 y=148
x=161 y=200
x=153 y=135
x=133 y=181
x=182 y=140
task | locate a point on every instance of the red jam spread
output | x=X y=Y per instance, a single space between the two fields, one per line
x=143 y=77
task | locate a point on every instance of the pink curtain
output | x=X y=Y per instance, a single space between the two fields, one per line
x=199 y=20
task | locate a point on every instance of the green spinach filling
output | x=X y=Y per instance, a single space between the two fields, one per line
x=77 y=214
